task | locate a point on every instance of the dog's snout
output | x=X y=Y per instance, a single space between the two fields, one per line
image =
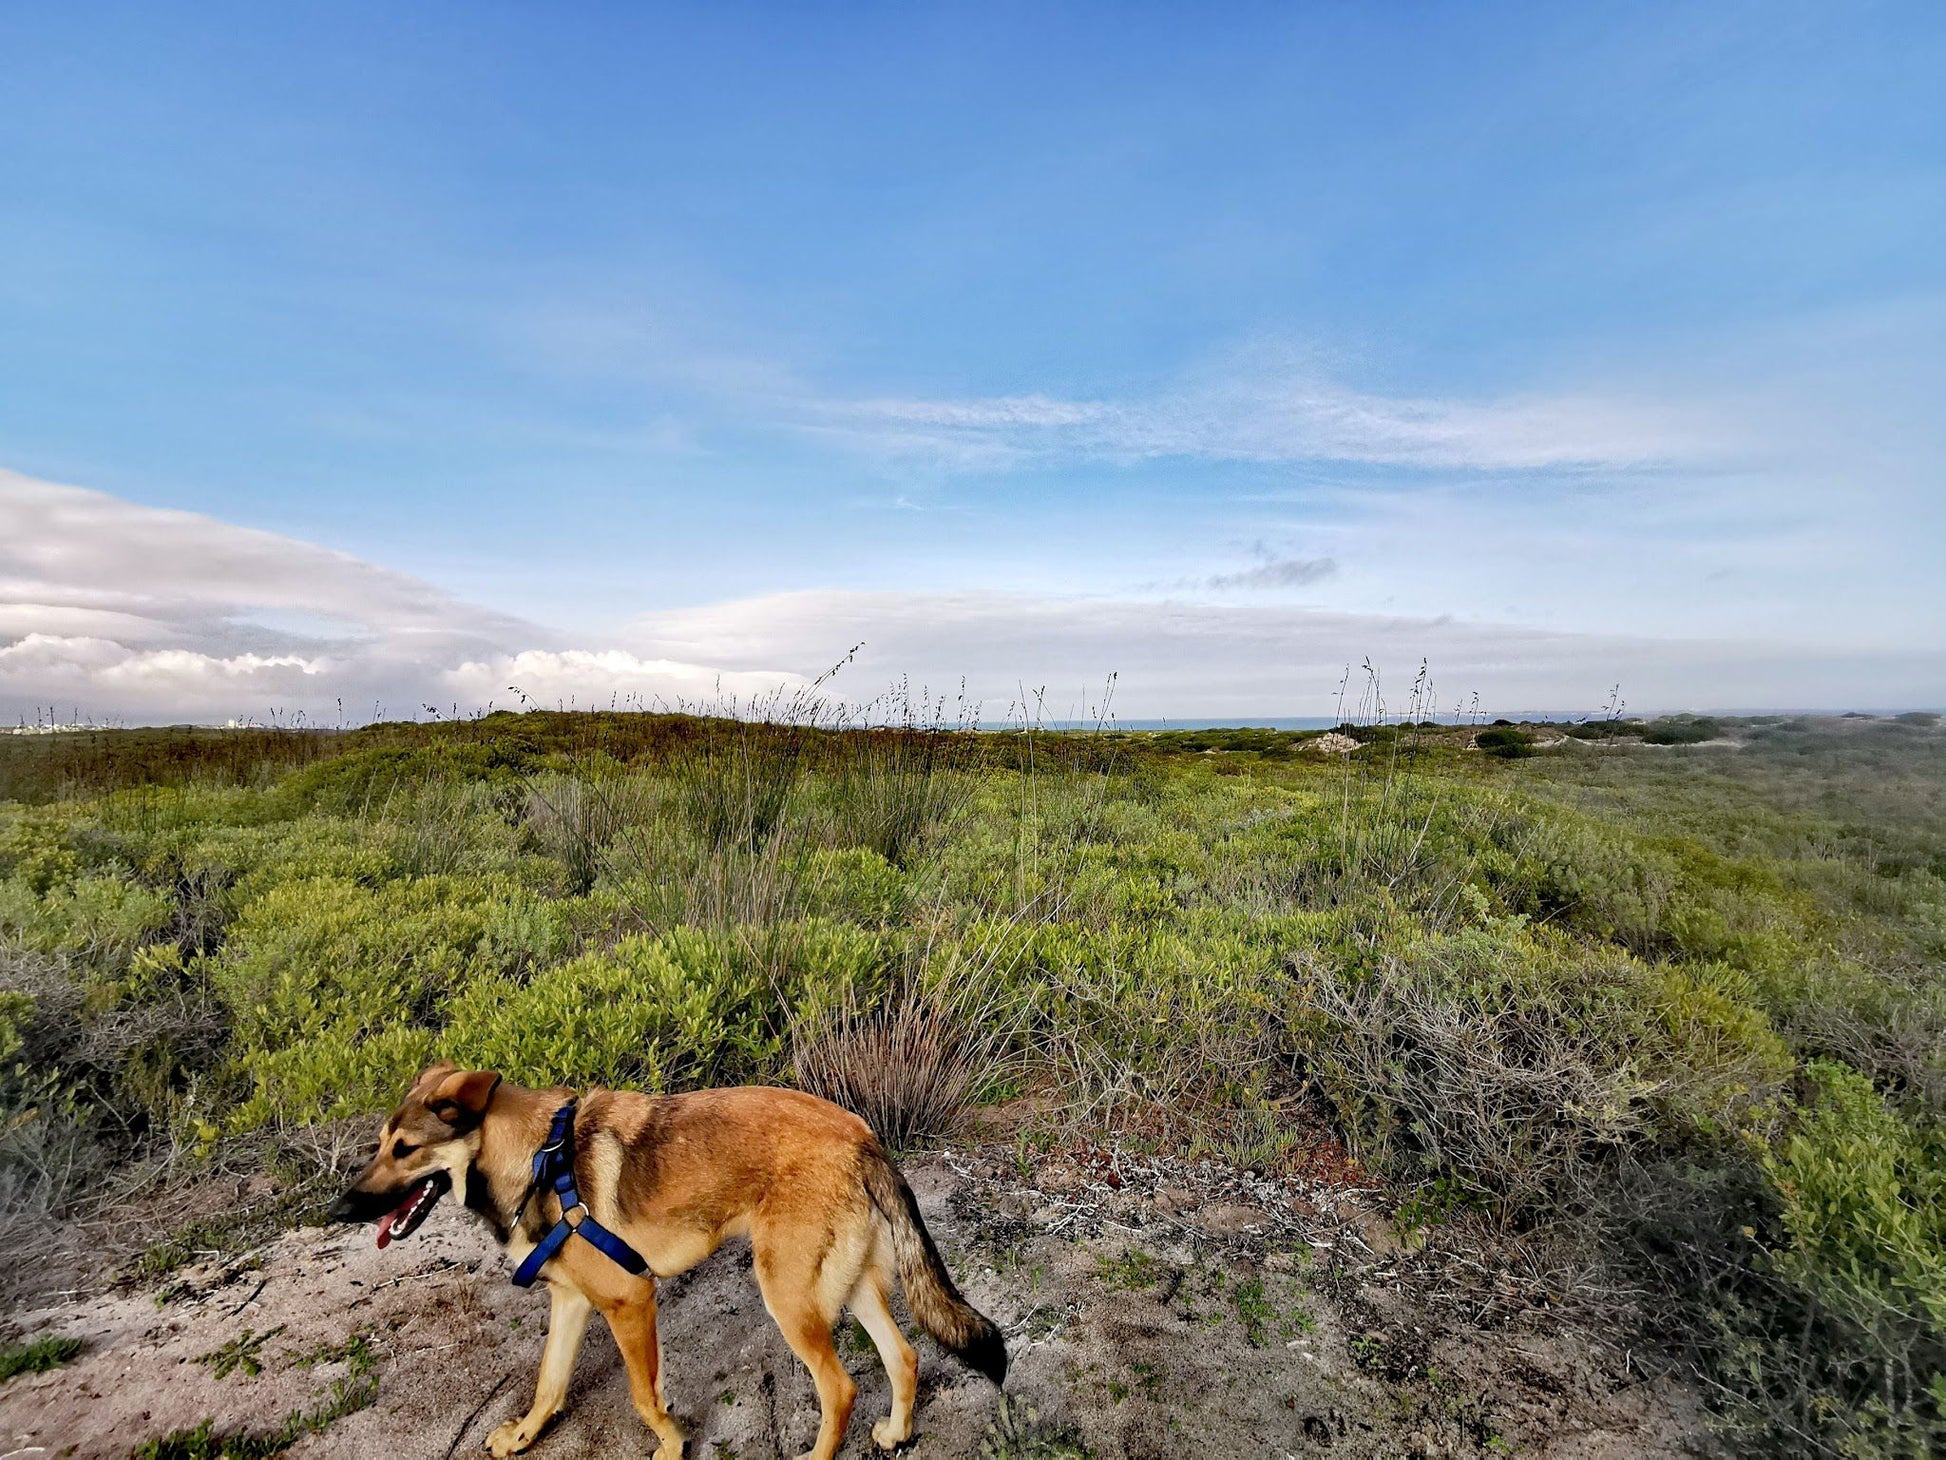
x=345 y=1208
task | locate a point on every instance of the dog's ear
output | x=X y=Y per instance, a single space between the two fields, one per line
x=430 y=1077
x=462 y=1097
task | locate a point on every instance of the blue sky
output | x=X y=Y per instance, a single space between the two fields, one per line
x=1211 y=347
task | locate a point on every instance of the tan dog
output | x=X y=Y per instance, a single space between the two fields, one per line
x=828 y=1215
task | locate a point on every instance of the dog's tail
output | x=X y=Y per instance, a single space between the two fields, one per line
x=929 y=1289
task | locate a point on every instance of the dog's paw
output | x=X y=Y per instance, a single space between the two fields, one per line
x=510 y=1439
x=887 y=1438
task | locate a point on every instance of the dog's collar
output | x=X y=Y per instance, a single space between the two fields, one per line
x=554 y=1166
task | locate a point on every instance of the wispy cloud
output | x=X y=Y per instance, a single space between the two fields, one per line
x=1268 y=401
x=1271 y=410
x=1272 y=570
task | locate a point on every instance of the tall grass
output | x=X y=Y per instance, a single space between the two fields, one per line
x=1387 y=804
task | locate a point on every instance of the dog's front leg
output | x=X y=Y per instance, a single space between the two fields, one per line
x=567 y=1321
x=631 y=1316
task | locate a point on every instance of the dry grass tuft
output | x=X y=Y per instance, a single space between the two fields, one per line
x=912 y=1067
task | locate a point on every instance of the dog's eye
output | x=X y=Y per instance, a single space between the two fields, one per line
x=402 y=1149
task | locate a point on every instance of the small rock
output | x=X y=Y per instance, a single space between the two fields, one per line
x=1173 y=1199
x=1228 y=1221
x=1376 y=1233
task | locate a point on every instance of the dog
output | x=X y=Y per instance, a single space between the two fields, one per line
x=828 y=1215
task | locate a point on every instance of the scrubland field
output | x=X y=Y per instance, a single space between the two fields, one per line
x=1660 y=1006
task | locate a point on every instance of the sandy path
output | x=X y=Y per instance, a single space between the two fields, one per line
x=1145 y=1319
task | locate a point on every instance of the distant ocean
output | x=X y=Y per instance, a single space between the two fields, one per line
x=1300 y=722
x=1260 y=722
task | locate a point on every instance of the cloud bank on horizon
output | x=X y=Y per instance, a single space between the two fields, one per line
x=659 y=357
x=117 y=612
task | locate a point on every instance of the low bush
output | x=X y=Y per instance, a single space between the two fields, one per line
x=1519 y=1068
x=648 y=1012
x=1505 y=742
x=321 y=971
x=1682 y=730
x=1603 y=729
x=1863 y=1200
x=1785 y=1372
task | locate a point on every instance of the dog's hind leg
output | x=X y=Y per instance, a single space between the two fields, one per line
x=567 y=1321
x=808 y=1332
x=791 y=1283
x=632 y=1320
x=869 y=1301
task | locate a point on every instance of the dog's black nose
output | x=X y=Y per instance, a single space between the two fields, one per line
x=344 y=1209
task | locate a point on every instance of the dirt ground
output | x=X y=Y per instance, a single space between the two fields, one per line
x=1153 y=1308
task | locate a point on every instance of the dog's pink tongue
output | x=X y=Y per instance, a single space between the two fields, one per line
x=385 y=1228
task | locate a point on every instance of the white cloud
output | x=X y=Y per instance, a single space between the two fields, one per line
x=65 y=663
x=68 y=548
x=127 y=612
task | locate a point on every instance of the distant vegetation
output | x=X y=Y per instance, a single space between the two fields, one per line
x=1679 y=1001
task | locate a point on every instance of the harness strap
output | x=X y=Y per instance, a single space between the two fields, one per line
x=554 y=1166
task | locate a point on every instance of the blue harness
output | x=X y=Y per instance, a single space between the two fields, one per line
x=554 y=1165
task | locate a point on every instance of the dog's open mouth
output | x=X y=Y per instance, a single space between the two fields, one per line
x=404 y=1219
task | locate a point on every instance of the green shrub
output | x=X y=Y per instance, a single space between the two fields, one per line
x=359 y=783
x=670 y=1012
x=1603 y=729
x=330 y=1073
x=35 y=850
x=313 y=968
x=1682 y=730
x=854 y=884
x=98 y=921
x=1508 y=742
x=1187 y=1016
x=1783 y=1372
x=1864 y=1202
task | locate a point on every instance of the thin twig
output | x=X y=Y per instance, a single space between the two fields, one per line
x=478 y=1409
